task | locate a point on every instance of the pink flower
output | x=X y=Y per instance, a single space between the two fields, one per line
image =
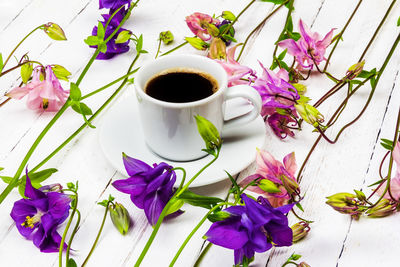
x=282 y=175
x=280 y=125
x=198 y=23
x=44 y=94
x=236 y=71
x=275 y=91
x=309 y=49
x=395 y=180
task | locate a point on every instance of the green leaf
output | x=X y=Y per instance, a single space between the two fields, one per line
x=234 y=184
x=376 y=183
x=74 y=92
x=81 y=108
x=282 y=55
x=398 y=22
x=176 y=205
x=289 y=24
x=100 y=31
x=139 y=43
x=1 y=62
x=298 y=205
x=218 y=216
x=294 y=257
x=123 y=37
x=295 y=36
x=268 y=186
x=228 y=15
x=276 y=2
x=199 y=200
x=103 y=47
x=387 y=144
x=103 y=203
x=6 y=179
x=26 y=72
x=1 y=168
x=21 y=189
x=61 y=72
x=92 y=40
x=40 y=176
x=227 y=37
x=71 y=263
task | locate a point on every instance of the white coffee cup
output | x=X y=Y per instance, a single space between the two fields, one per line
x=170 y=129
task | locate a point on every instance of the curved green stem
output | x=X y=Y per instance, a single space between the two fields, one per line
x=195 y=230
x=175 y=48
x=60 y=251
x=23 y=39
x=78 y=220
x=98 y=236
x=202 y=254
x=238 y=16
x=20 y=65
x=259 y=26
x=183 y=177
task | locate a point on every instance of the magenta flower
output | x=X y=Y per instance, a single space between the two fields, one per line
x=198 y=24
x=113 y=48
x=275 y=91
x=44 y=94
x=395 y=180
x=235 y=71
x=38 y=216
x=310 y=48
x=254 y=227
x=283 y=175
x=150 y=188
x=280 y=125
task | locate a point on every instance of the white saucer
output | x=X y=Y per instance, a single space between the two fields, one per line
x=121 y=132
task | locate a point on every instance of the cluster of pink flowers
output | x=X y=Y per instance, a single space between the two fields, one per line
x=44 y=91
x=281 y=175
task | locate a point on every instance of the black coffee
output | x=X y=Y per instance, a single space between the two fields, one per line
x=181 y=86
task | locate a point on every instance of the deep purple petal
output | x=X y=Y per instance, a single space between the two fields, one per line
x=134 y=166
x=48 y=222
x=281 y=235
x=258 y=213
x=30 y=191
x=227 y=234
x=38 y=237
x=133 y=185
x=158 y=182
x=285 y=209
x=138 y=200
x=58 y=205
x=259 y=241
x=51 y=242
x=153 y=206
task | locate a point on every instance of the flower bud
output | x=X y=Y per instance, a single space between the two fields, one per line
x=197 y=43
x=217 y=49
x=120 y=217
x=54 y=31
x=123 y=37
x=212 y=29
x=355 y=70
x=26 y=72
x=303 y=264
x=208 y=132
x=300 y=230
x=166 y=37
x=309 y=114
x=268 y=186
x=60 y=72
x=382 y=209
x=345 y=203
x=290 y=184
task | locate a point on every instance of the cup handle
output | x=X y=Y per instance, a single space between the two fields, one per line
x=249 y=93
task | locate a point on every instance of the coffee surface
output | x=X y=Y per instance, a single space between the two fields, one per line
x=181 y=86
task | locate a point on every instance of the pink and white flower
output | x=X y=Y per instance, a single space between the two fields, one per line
x=46 y=94
x=309 y=49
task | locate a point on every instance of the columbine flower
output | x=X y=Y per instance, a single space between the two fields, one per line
x=113 y=4
x=283 y=175
x=235 y=71
x=199 y=24
x=395 y=180
x=150 y=187
x=345 y=203
x=275 y=91
x=254 y=227
x=280 y=125
x=44 y=94
x=112 y=47
x=309 y=49
x=38 y=216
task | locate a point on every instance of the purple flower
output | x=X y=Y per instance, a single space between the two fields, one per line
x=275 y=91
x=309 y=49
x=280 y=125
x=113 y=4
x=112 y=47
x=38 y=216
x=254 y=227
x=150 y=187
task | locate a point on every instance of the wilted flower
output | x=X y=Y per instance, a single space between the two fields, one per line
x=42 y=94
x=395 y=180
x=275 y=91
x=237 y=74
x=202 y=25
x=309 y=49
x=303 y=264
x=217 y=49
x=113 y=48
x=280 y=124
x=281 y=174
x=150 y=188
x=254 y=227
x=166 y=37
x=38 y=216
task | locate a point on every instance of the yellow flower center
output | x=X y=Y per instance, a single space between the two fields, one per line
x=30 y=221
x=45 y=103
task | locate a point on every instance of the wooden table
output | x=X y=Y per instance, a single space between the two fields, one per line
x=352 y=163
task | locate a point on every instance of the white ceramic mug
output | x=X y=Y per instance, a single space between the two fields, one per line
x=170 y=129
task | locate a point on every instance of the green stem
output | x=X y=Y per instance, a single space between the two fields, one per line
x=377 y=30
x=19 y=65
x=78 y=220
x=238 y=16
x=60 y=251
x=23 y=39
x=83 y=126
x=195 y=230
x=14 y=181
x=98 y=236
x=158 y=49
x=259 y=26
x=202 y=254
x=109 y=84
x=183 y=177
x=289 y=262
x=175 y=48
x=341 y=34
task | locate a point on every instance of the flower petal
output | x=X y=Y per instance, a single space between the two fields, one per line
x=227 y=235
x=134 y=166
x=289 y=161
